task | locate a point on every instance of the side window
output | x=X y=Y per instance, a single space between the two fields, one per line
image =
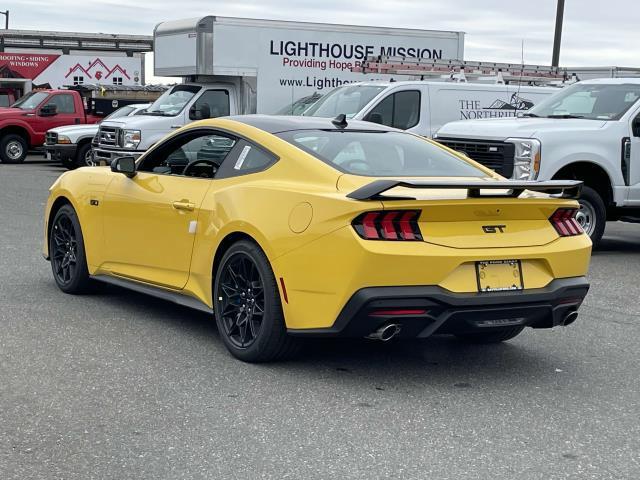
x=64 y=102
x=400 y=110
x=216 y=100
x=204 y=151
x=246 y=158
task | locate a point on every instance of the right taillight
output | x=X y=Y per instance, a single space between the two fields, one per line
x=565 y=223
x=396 y=225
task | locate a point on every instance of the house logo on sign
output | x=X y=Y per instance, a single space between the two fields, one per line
x=98 y=70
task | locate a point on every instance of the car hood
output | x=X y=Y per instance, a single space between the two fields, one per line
x=12 y=112
x=75 y=130
x=503 y=128
x=143 y=122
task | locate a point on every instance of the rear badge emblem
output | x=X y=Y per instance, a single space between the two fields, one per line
x=493 y=228
x=94 y=202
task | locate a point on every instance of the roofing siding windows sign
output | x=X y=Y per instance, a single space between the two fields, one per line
x=55 y=71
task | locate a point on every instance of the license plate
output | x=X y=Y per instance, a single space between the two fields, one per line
x=499 y=275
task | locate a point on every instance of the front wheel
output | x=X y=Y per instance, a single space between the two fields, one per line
x=247 y=306
x=13 y=148
x=592 y=215
x=84 y=157
x=66 y=250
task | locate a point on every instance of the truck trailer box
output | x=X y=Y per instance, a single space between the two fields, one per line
x=282 y=61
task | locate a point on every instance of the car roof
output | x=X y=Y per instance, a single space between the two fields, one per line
x=612 y=81
x=284 y=123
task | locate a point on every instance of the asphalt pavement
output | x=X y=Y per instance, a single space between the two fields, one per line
x=117 y=385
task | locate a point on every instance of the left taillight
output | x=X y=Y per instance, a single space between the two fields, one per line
x=398 y=225
x=565 y=223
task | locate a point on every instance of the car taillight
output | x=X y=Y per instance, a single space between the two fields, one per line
x=388 y=225
x=565 y=223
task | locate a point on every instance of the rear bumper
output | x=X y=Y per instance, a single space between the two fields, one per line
x=61 y=152
x=448 y=312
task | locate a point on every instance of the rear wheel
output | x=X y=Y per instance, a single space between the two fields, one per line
x=495 y=335
x=13 y=148
x=66 y=249
x=247 y=306
x=592 y=214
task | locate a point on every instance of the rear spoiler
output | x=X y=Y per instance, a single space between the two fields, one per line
x=563 y=188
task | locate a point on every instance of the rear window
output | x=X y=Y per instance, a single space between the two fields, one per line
x=380 y=153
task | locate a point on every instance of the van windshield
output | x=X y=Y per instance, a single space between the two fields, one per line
x=593 y=101
x=346 y=99
x=173 y=100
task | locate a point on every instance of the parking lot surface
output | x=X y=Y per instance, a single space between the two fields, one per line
x=117 y=385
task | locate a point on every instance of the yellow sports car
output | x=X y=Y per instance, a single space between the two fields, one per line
x=286 y=227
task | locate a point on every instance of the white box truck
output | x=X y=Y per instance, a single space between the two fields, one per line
x=236 y=66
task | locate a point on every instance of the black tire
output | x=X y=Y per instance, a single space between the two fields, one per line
x=67 y=253
x=68 y=163
x=81 y=155
x=13 y=148
x=593 y=214
x=495 y=335
x=246 y=295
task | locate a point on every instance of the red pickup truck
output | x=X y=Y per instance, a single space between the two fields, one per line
x=24 y=124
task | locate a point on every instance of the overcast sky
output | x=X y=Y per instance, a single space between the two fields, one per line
x=596 y=32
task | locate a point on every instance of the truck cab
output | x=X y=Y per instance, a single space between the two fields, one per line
x=181 y=104
x=24 y=124
x=589 y=131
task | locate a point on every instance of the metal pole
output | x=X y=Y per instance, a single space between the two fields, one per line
x=558 y=35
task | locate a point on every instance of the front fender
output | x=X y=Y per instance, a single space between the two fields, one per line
x=15 y=123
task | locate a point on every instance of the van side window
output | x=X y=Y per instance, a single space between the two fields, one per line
x=400 y=110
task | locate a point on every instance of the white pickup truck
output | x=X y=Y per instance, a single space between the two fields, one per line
x=589 y=131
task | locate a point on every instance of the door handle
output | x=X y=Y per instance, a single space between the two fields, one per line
x=176 y=126
x=184 y=205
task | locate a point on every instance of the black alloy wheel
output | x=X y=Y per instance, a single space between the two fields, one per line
x=248 y=308
x=242 y=305
x=66 y=250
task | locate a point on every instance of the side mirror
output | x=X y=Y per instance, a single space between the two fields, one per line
x=635 y=127
x=375 y=117
x=204 y=111
x=49 y=110
x=124 y=165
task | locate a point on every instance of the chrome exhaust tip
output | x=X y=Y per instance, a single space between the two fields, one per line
x=385 y=333
x=569 y=318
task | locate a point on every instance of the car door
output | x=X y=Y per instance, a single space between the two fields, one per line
x=150 y=220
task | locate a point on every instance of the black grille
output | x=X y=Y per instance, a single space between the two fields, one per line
x=108 y=136
x=498 y=156
x=51 y=138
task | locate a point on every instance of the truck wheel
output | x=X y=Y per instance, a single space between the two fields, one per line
x=84 y=158
x=592 y=215
x=13 y=148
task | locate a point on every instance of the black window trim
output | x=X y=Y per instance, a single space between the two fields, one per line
x=393 y=107
x=211 y=131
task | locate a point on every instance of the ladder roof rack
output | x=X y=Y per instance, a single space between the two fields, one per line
x=462 y=71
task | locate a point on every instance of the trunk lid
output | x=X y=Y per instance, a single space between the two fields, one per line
x=449 y=217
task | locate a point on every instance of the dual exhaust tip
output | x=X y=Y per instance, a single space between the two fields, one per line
x=569 y=318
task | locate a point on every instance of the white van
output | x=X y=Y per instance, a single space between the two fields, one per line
x=423 y=107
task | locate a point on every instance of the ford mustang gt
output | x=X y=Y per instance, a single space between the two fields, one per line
x=286 y=227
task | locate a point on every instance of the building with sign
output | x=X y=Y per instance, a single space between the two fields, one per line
x=38 y=59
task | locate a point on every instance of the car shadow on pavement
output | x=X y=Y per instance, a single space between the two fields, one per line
x=439 y=358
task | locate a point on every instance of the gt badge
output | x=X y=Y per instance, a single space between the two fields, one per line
x=493 y=228
x=93 y=202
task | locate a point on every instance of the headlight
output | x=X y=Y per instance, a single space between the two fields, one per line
x=526 y=160
x=131 y=138
x=63 y=139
